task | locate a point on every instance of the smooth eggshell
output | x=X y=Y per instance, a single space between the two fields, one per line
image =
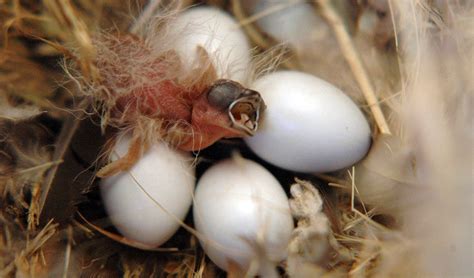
x=309 y=125
x=237 y=201
x=220 y=36
x=166 y=175
x=293 y=23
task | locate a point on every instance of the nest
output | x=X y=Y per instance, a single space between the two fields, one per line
x=400 y=212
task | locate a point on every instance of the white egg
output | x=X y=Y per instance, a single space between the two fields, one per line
x=219 y=34
x=239 y=204
x=309 y=125
x=293 y=22
x=162 y=176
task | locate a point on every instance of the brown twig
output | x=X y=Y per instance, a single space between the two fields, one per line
x=353 y=59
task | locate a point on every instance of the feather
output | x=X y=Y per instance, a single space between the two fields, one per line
x=423 y=175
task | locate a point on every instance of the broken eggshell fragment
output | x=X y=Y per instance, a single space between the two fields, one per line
x=309 y=125
x=242 y=215
x=147 y=202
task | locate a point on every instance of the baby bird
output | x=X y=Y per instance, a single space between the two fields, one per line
x=155 y=97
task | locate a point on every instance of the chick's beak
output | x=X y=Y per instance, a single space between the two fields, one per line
x=244 y=112
x=211 y=123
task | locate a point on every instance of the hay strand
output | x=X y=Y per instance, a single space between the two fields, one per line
x=355 y=63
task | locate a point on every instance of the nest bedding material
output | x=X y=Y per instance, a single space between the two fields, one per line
x=405 y=210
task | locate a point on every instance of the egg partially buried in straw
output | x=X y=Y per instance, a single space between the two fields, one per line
x=242 y=213
x=219 y=34
x=147 y=202
x=309 y=125
x=284 y=24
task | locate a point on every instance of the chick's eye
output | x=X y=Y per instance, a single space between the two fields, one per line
x=223 y=93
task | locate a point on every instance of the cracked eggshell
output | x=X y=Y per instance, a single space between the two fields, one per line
x=309 y=125
x=237 y=203
x=219 y=34
x=167 y=176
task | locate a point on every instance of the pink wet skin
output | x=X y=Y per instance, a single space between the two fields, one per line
x=207 y=123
